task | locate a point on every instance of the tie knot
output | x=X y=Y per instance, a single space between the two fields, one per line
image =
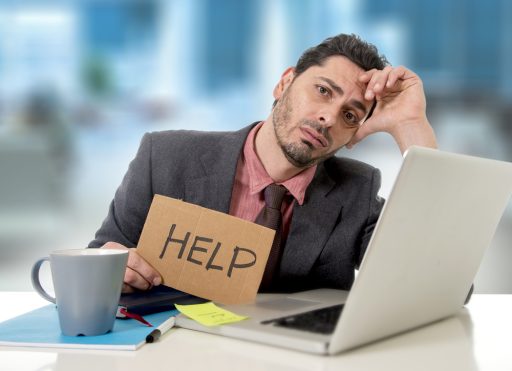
x=274 y=195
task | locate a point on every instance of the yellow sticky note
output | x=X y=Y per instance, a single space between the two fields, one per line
x=209 y=314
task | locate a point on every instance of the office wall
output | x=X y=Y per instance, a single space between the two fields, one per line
x=81 y=81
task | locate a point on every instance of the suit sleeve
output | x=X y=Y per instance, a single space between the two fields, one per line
x=375 y=205
x=129 y=208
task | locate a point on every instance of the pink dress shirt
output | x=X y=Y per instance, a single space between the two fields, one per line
x=251 y=179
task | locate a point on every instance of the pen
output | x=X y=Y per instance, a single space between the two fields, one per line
x=160 y=330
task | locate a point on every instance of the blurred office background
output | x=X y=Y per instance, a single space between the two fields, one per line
x=82 y=80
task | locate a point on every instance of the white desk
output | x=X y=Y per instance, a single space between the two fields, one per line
x=479 y=338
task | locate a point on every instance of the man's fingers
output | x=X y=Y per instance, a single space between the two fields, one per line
x=396 y=74
x=377 y=83
x=366 y=76
x=142 y=268
x=380 y=79
x=136 y=280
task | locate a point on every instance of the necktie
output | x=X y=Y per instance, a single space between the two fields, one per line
x=271 y=217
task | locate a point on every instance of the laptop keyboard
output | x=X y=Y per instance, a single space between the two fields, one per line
x=320 y=321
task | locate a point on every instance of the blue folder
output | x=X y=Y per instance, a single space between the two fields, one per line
x=40 y=328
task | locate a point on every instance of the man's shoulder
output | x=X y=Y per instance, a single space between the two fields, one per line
x=192 y=138
x=186 y=136
x=178 y=149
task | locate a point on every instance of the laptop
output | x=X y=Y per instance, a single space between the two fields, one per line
x=419 y=266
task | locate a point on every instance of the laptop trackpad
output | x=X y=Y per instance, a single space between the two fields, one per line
x=280 y=306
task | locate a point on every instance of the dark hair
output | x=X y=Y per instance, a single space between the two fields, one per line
x=364 y=54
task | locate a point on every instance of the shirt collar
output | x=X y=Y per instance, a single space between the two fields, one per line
x=259 y=178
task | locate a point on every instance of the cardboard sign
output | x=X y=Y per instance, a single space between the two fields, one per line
x=204 y=252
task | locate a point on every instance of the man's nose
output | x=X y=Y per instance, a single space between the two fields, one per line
x=327 y=116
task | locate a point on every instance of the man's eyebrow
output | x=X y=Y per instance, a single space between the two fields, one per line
x=354 y=102
x=333 y=85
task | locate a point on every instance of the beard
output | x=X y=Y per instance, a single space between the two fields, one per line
x=299 y=154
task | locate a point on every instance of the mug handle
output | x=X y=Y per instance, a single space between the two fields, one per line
x=35 y=280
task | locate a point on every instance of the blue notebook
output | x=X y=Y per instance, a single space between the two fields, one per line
x=40 y=328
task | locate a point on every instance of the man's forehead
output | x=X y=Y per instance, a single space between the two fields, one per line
x=339 y=69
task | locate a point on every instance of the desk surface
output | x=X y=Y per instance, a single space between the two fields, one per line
x=478 y=338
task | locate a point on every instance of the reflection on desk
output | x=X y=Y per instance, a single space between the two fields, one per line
x=475 y=339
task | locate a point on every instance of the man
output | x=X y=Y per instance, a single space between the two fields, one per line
x=338 y=93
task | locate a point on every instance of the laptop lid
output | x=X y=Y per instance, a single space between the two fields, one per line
x=427 y=246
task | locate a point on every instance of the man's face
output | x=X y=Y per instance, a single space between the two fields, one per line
x=319 y=111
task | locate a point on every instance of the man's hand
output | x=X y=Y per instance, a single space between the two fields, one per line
x=139 y=274
x=400 y=108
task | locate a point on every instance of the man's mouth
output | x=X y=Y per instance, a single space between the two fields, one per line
x=316 y=139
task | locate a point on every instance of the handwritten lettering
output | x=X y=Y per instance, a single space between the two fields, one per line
x=233 y=264
x=183 y=242
x=241 y=257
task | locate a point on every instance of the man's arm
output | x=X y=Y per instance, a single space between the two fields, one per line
x=400 y=108
x=122 y=227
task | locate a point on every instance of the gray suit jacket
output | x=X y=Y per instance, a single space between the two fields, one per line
x=328 y=233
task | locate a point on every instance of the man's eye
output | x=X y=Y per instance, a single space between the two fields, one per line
x=322 y=90
x=351 y=118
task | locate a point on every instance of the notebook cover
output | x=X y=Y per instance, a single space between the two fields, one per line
x=40 y=328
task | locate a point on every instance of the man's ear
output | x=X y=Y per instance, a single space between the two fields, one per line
x=285 y=81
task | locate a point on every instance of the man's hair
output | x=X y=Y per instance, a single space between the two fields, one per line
x=358 y=51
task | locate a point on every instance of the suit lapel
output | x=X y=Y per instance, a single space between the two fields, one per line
x=311 y=225
x=213 y=189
